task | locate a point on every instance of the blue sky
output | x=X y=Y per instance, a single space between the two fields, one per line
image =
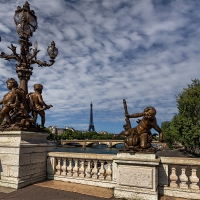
x=145 y=51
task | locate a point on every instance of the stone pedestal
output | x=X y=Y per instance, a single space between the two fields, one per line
x=23 y=157
x=137 y=176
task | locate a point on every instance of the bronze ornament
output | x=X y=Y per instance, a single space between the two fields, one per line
x=20 y=108
x=140 y=137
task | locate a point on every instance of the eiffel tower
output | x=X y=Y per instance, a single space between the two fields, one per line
x=91 y=123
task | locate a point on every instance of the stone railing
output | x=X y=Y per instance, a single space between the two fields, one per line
x=179 y=177
x=91 y=169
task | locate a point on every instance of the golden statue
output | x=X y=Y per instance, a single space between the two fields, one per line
x=139 y=138
x=37 y=104
x=9 y=101
x=16 y=107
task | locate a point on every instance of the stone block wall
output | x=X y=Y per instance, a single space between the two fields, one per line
x=23 y=158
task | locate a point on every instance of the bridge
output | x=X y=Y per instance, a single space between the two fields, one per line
x=87 y=143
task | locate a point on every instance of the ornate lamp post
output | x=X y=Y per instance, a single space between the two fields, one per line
x=17 y=104
x=26 y=25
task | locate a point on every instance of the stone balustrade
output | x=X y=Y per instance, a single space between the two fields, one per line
x=179 y=177
x=92 y=169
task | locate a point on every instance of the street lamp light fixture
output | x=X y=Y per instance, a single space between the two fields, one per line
x=25 y=20
x=26 y=24
x=52 y=50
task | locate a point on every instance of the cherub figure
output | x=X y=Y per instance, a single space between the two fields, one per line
x=37 y=104
x=140 y=137
x=10 y=100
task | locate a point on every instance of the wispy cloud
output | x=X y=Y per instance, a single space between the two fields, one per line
x=145 y=51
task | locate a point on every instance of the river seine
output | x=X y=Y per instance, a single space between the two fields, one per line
x=97 y=149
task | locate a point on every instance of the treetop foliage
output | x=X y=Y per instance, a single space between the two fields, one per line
x=185 y=125
x=80 y=135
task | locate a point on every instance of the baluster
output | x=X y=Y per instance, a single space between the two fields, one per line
x=82 y=169
x=173 y=177
x=58 y=166
x=183 y=178
x=64 y=167
x=109 y=171
x=102 y=170
x=89 y=169
x=95 y=170
x=76 y=168
x=70 y=168
x=51 y=165
x=194 y=179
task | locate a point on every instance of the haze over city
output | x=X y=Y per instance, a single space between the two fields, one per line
x=144 y=51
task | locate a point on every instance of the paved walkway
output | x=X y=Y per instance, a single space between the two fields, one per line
x=58 y=190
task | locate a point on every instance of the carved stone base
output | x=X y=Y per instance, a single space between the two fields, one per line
x=138 y=149
x=18 y=128
x=23 y=158
x=137 y=176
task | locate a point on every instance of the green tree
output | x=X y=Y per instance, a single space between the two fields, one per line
x=47 y=130
x=170 y=135
x=82 y=135
x=185 y=126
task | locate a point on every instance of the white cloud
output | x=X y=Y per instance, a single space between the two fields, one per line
x=4 y=28
x=144 y=51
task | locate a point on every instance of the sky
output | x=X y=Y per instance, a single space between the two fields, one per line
x=144 y=51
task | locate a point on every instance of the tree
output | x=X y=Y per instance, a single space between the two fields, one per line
x=47 y=130
x=185 y=126
x=165 y=126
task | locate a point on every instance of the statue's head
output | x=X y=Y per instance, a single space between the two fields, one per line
x=150 y=112
x=38 y=87
x=11 y=83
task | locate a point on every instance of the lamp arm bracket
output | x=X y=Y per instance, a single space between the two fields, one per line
x=13 y=49
x=33 y=55
x=8 y=57
x=43 y=64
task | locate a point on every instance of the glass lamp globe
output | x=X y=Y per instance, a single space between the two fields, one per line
x=25 y=20
x=52 y=50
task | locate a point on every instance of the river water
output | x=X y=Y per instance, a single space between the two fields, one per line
x=96 y=149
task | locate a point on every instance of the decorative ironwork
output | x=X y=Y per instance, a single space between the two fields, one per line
x=16 y=104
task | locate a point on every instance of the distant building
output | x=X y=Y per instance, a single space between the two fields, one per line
x=103 y=133
x=59 y=131
x=69 y=128
x=53 y=129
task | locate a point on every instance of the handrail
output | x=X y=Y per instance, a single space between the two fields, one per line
x=180 y=161
x=82 y=155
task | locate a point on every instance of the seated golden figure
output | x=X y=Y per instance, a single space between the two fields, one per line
x=140 y=137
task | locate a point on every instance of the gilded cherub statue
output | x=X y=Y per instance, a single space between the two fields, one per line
x=10 y=101
x=16 y=106
x=139 y=138
x=37 y=104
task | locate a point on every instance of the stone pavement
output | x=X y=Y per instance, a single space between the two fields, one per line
x=58 y=190
x=78 y=188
